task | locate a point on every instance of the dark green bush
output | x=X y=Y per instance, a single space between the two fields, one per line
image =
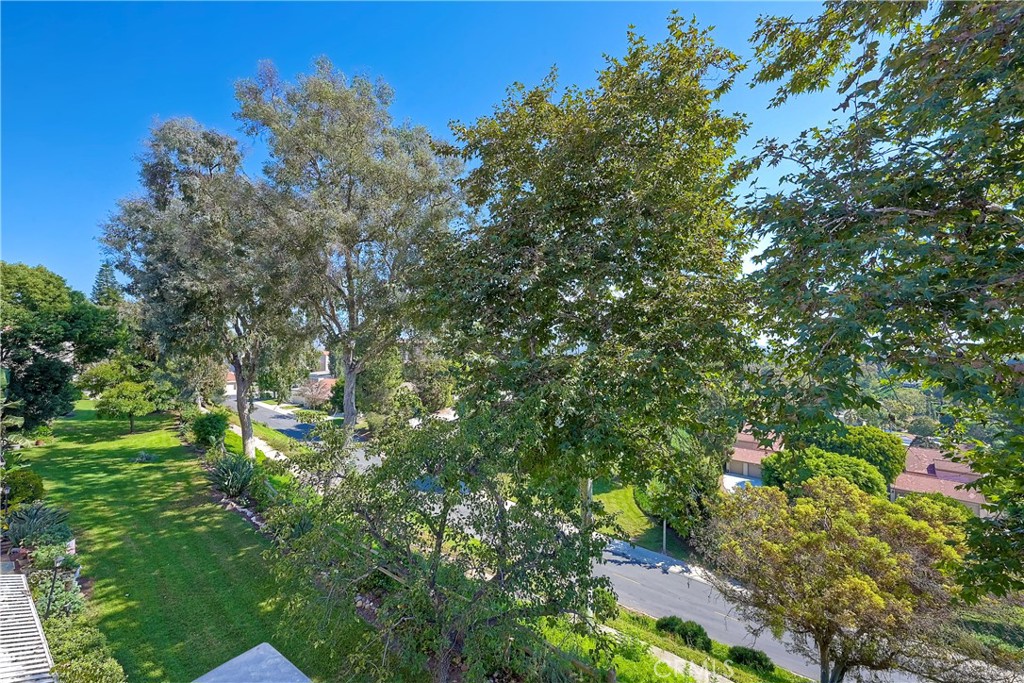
x=231 y=474
x=26 y=486
x=755 y=659
x=690 y=632
x=209 y=428
x=670 y=624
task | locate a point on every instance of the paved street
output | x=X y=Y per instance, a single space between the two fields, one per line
x=645 y=581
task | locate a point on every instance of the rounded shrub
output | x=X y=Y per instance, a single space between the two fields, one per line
x=755 y=659
x=694 y=635
x=209 y=428
x=26 y=486
x=690 y=632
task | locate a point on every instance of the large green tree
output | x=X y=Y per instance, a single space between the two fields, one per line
x=450 y=542
x=895 y=234
x=861 y=584
x=596 y=298
x=372 y=194
x=790 y=469
x=49 y=331
x=202 y=253
x=106 y=291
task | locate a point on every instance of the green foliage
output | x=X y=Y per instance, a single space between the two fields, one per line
x=66 y=599
x=209 y=429
x=789 y=469
x=127 y=399
x=201 y=251
x=690 y=632
x=601 y=247
x=26 y=486
x=755 y=659
x=870 y=444
x=389 y=192
x=231 y=474
x=923 y=426
x=845 y=572
x=106 y=291
x=377 y=383
x=894 y=238
x=41 y=316
x=375 y=422
x=28 y=523
x=484 y=571
x=434 y=382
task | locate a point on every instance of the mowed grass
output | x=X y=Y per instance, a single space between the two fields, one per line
x=180 y=583
x=635 y=525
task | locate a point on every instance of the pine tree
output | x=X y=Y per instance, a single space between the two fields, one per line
x=105 y=290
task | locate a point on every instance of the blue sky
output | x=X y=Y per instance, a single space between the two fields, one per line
x=83 y=82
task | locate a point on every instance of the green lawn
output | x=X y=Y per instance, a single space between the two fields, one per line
x=180 y=584
x=636 y=526
x=642 y=627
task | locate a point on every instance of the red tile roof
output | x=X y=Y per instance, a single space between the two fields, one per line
x=748 y=450
x=229 y=376
x=913 y=482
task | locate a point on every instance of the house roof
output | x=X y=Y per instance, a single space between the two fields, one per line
x=747 y=449
x=24 y=653
x=914 y=482
x=229 y=376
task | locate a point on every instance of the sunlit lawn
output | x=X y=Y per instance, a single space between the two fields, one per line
x=180 y=584
x=636 y=526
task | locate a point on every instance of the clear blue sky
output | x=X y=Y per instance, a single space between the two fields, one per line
x=83 y=82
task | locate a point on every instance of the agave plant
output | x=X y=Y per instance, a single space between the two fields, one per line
x=38 y=520
x=231 y=474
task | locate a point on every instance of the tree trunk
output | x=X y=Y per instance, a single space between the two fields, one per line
x=664 y=536
x=243 y=387
x=349 y=406
x=586 y=500
x=823 y=658
x=131 y=424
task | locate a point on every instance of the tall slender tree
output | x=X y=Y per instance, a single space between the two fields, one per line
x=201 y=251
x=372 y=193
x=106 y=291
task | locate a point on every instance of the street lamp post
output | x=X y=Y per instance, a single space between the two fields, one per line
x=53 y=583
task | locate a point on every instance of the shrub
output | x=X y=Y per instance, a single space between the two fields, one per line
x=209 y=429
x=375 y=421
x=690 y=632
x=32 y=521
x=41 y=432
x=26 y=486
x=67 y=597
x=144 y=456
x=231 y=474
x=80 y=652
x=755 y=659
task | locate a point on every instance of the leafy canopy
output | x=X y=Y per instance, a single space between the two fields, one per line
x=894 y=236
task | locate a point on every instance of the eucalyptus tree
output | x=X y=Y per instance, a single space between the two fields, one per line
x=201 y=252
x=597 y=298
x=371 y=195
x=896 y=236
